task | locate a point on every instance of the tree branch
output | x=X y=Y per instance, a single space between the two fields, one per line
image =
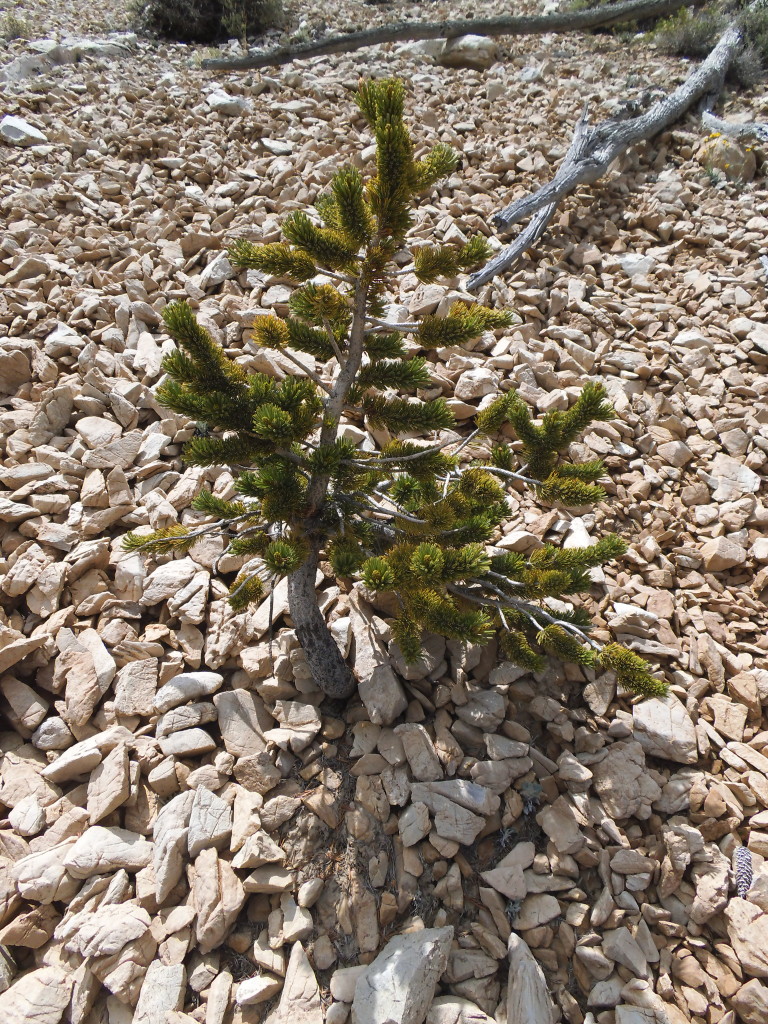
x=567 y=21
x=593 y=149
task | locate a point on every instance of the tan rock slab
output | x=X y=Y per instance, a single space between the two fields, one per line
x=38 y=997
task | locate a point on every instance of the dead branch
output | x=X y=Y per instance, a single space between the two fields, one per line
x=750 y=130
x=592 y=150
x=568 y=21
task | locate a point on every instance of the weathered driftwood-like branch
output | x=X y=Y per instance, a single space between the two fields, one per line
x=750 y=130
x=568 y=21
x=592 y=151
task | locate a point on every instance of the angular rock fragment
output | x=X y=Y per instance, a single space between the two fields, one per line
x=400 y=983
x=38 y=997
x=102 y=850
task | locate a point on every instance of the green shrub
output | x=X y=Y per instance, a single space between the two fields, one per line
x=207 y=21
x=693 y=33
x=12 y=27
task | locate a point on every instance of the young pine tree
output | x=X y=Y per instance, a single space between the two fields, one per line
x=413 y=518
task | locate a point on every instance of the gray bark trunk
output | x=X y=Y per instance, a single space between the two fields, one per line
x=567 y=21
x=593 y=149
x=329 y=669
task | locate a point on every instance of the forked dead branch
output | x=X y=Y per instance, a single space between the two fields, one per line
x=593 y=150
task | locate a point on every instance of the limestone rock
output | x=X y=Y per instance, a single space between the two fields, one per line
x=528 y=998
x=300 y=999
x=622 y=782
x=380 y=689
x=217 y=895
x=748 y=932
x=399 y=985
x=477 y=52
x=664 y=728
x=38 y=997
x=163 y=990
x=243 y=720
x=19 y=132
x=102 y=850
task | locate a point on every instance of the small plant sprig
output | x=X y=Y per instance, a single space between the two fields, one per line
x=414 y=518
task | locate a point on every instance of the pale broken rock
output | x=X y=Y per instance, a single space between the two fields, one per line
x=413 y=824
x=104 y=931
x=109 y=785
x=297 y=921
x=300 y=723
x=256 y=990
x=27 y=817
x=186 y=717
x=528 y=999
x=122 y=973
x=82 y=757
x=507 y=876
x=170 y=832
x=100 y=850
x=730 y=479
x=455 y=1010
x=97 y=431
x=711 y=875
x=14 y=645
x=217 y=895
x=135 y=687
x=420 y=752
x=221 y=102
x=269 y=879
x=751 y=1002
x=300 y=1001
x=537 y=909
x=21 y=775
x=622 y=782
x=620 y=946
x=243 y=720
x=187 y=743
x=474 y=797
x=43 y=876
x=748 y=932
x=380 y=689
x=163 y=989
x=451 y=821
x=400 y=983
x=257 y=850
x=470 y=51
x=722 y=553
x=432 y=653
x=560 y=823
x=166 y=581
x=27 y=708
x=88 y=669
x=664 y=729
x=187 y=686
x=39 y=997
x=210 y=822
x=19 y=132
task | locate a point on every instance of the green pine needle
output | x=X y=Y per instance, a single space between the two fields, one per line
x=275 y=259
x=400 y=416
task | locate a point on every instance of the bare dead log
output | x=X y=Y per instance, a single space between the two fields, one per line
x=568 y=21
x=750 y=130
x=593 y=149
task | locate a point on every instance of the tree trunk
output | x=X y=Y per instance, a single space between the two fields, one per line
x=567 y=21
x=593 y=149
x=329 y=670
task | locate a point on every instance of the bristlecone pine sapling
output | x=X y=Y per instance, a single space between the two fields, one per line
x=415 y=518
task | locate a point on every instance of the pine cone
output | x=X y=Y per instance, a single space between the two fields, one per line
x=743 y=864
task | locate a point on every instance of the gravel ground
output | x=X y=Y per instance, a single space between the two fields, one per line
x=189 y=832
